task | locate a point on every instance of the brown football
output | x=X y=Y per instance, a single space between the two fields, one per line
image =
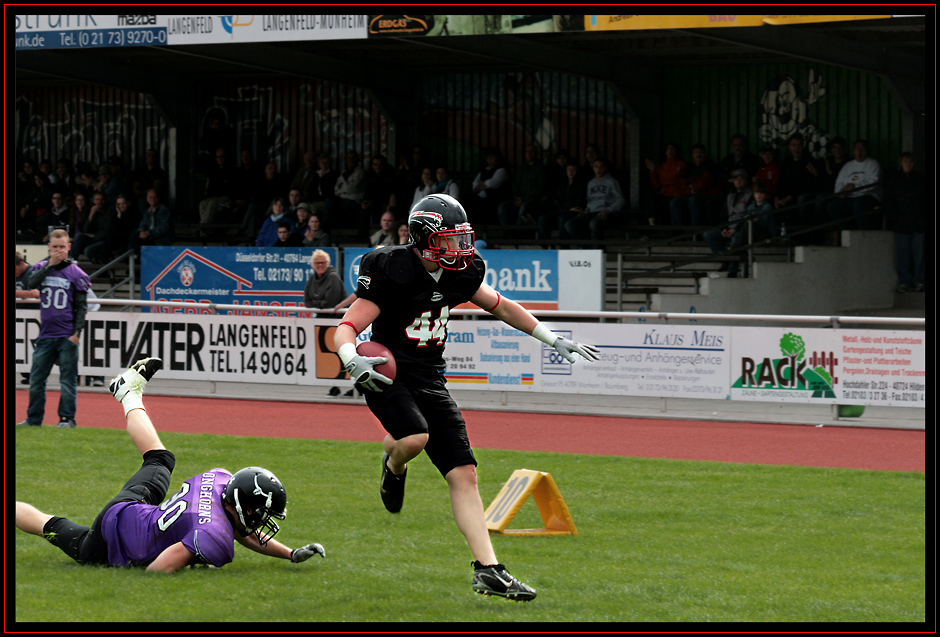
x=371 y=348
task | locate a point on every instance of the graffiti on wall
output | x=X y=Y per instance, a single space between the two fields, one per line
x=85 y=129
x=281 y=121
x=784 y=111
x=509 y=111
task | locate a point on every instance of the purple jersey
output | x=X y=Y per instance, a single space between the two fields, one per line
x=56 y=299
x=137 y=533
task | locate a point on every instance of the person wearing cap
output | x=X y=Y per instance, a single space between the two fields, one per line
x=732 y=235
x=301 y=218
x=769 y=171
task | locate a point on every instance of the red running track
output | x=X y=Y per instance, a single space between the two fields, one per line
x=801 y=445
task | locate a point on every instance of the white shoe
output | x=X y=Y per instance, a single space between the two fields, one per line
x=134 y=379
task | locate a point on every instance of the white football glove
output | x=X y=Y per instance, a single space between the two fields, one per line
x=360 y=369
x=567 y=348
x=304 y=553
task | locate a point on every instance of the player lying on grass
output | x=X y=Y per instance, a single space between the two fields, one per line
x=197 y=525
x=406 y=293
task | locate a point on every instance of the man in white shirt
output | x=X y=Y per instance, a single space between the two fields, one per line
x=856 y=200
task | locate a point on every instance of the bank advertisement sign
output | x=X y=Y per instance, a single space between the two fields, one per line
x=537 y=279
x=252 y=277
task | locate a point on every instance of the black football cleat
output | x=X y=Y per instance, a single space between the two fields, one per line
x=392 y=487
x=496 y=580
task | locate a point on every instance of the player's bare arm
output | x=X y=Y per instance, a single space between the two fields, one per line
x=172 y=559
x=520 y=318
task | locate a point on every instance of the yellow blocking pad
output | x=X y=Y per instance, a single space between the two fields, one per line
x=523 y=483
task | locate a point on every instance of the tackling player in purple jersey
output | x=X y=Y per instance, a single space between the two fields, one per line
x=199 y=524
x=406 y=293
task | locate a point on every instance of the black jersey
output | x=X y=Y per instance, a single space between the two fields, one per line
x=415 y=307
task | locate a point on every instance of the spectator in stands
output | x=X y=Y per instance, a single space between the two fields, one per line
x=404 y=237
x=325 y=289
x=491 y=187
x=557 y=174
x=836 y=159
x=345 y=206
x=906 y=210
x=215 y=136
x=78 y=218
x=323 y=184
x=604 y=200
x=409 y=175
x=762 y=210
x=386 y=235
x=156 y=225
x=271 y=185
x=96 y=222
x=63 y=179
x=731 y=236
x=286 y=238
x=855 y=200
x=305 y=174
x=295 y=197
x=314 y=236
x=667 y=181
x=151 y=176
x=221 y=188
x=529 y=182
x=739 y=158
x=703 y=192
x=570 y=200
x=799 y=184
x=300 y=218
x=769 y=171
x=425 y=188
x=57 y=216
x=277 y=211
x=591 y=153
x=379 y=194
x=445 y=185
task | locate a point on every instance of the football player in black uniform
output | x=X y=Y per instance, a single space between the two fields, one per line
x=406 y=293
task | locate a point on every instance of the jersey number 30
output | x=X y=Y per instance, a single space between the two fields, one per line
x=426 y=328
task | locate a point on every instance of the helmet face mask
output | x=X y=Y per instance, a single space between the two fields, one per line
x=439 y=230
x=257 y=496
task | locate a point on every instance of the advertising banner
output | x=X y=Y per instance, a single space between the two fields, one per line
x=226 y=275
x=852 y=367
x=863 y=367
x=537 y=279
x=88 y=31
x=443 y=25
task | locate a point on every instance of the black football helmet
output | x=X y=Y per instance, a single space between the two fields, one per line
x=257 y=496
x=438 y=228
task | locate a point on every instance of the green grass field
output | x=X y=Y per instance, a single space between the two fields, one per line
x=659 y=540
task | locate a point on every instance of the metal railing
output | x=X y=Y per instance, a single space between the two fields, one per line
x=130 y=280
x=833 y=321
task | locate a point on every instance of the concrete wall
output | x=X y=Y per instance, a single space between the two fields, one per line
x=820 y=281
